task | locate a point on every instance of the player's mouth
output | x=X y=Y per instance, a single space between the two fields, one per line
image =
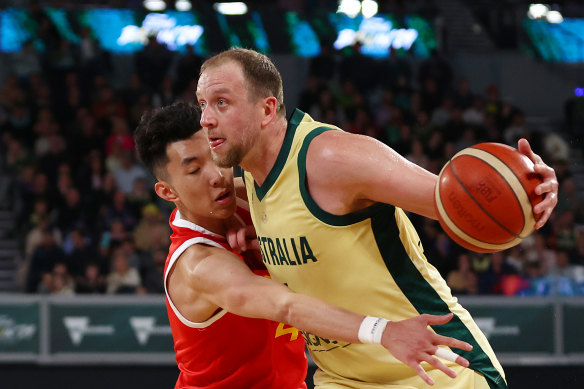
x=224 y=197
x=215 y=142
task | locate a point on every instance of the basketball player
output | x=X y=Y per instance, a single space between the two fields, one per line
x=217 y=305
x=340 y=197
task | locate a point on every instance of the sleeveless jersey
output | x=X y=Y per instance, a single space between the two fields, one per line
x=370 y=261
x=230 y=351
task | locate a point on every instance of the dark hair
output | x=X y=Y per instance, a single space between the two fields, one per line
x=162 y=126
x=261 y=75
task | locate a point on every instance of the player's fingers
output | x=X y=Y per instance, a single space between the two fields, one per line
x=422 y=373
x=451 y=342
x=525 y=148
x=545 y=215
x=547 y=187
x=548 y=175
x=231 y=235
x=436 y=319
x=438 y=364
x=241 y=239
x=444 y=353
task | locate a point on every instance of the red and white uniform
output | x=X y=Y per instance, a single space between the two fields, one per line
x=227 y=350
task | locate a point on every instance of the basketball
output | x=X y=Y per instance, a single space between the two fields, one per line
x=485 y=195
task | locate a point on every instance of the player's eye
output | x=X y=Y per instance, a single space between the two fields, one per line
x=222 y=102
x=194 y=171
x=202 y=104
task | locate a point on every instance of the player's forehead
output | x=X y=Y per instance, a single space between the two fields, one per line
x=193 y=149
x=226 y=77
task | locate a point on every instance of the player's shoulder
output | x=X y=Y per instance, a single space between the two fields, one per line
x=196 y=253
x=332 y=150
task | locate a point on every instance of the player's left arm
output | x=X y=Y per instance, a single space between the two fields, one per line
x=548 y=188
x=347 y=172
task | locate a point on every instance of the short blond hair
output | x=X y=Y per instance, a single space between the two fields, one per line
x=260 y=73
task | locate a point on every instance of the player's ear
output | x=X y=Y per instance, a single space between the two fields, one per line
x=270 y=110
x=165 y=191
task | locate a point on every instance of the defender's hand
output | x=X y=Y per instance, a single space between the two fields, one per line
x=242 y=239
x=412 y=342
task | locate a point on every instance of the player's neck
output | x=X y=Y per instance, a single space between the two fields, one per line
x=261 y=158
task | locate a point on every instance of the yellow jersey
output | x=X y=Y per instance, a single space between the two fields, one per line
x=370 y=262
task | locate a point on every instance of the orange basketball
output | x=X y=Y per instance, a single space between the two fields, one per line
x=485 y=195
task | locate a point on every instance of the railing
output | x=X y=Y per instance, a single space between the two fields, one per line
x=126 y=330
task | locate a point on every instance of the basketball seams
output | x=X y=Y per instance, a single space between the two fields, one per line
x=460 y=233
x=516 y=186
x=478 y=204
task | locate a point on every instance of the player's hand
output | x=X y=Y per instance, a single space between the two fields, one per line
x=242 y=238
x=412 y=342
x=548 y=188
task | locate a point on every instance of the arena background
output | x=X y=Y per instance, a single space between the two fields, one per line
x=76 y=75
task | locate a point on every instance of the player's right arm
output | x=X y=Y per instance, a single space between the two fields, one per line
x=206 y=278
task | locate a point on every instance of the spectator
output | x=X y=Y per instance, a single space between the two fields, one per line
x=438 y=70
x=463 y=280
x=564 y=277
x=152 y=63
x=43 y=260
x=72 y=214
x=463 y=97
x=120 y=137
x=154 y=275
x=92 y=282
x=571 y=200
x=187 y=69
x=61 y=281
x=128 y=172
x=123 y=279
x=16 y=157
x=152 y=232
x=490 y=281
x=475 y=114
x=112 y=237
x=309 y=97
x=164 y=95
x=79 y=253
x=441 y=115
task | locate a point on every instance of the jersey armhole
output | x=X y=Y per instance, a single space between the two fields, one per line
x=313 y=207
x=175 y=256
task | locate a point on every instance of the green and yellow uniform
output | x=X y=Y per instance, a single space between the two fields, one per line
x=370 y=262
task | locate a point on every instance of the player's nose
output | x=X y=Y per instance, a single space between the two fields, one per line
x=216 y=176
x=208 y=120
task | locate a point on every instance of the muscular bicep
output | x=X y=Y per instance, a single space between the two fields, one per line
x=222 y=278
x=346 y=172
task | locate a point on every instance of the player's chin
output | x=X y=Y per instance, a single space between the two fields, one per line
x=224 y=207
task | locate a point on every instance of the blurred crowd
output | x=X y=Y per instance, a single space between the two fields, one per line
x=89 y=221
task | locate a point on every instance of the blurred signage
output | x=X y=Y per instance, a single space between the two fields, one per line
x=19 y=328
x=511 y=329
x=166 y=30
x=377 y=35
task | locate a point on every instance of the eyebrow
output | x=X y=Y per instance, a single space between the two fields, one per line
x=188 y=160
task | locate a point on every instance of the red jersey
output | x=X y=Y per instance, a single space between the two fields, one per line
x=227 y=350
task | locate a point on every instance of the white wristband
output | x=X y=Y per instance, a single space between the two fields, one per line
x=371 y=329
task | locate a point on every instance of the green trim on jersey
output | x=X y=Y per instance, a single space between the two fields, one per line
x=293 y=123
x=313 y=207
x=424 y=297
